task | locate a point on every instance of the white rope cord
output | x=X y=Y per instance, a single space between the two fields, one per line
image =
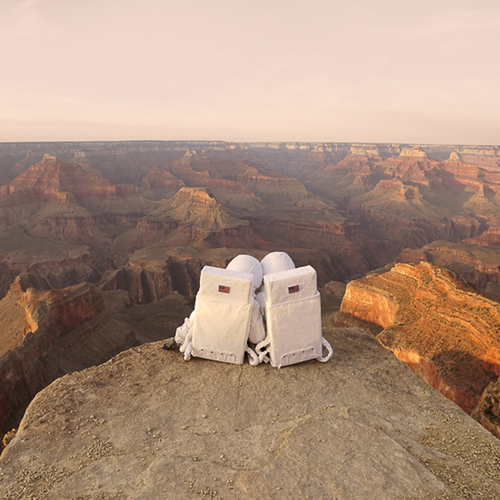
x=183 y=330
x=187 y=353
x=253 y=359
x=263 y=355
x=187 y=346
x=324 y=359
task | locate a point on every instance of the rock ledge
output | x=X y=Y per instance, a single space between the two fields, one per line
x=146 y=424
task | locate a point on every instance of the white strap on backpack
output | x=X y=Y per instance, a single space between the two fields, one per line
x=324 y=359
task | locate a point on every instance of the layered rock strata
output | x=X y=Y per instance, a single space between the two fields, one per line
x=59 y=200
x=436 y=324
x=55 y=324
x=479 y=265
x=377 y=200
x=155 y=272
x=193 y=218
x=45 y=263
x=160 y=183
x=149 y=279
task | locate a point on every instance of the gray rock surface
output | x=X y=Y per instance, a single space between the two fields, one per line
x=147 y=425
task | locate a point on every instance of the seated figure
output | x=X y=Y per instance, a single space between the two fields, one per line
x=226 y=314
x=292 y=308
x=248 y=264
x=273 y=262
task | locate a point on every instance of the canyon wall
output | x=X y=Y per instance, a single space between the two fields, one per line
x=51 y=318
x=479 y=265
x=435 y=323
x=354 y=206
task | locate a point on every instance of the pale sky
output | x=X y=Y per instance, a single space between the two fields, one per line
x=414 y=71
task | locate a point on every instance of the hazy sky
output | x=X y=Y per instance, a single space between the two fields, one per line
x=419 y=71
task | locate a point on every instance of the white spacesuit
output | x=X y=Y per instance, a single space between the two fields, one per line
x=291 y=304
x=248 y=264
x=226 y=314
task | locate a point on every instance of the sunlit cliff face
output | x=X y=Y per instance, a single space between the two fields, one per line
x=440 y=327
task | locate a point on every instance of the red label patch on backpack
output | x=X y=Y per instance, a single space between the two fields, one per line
x=224 y=289
x=293 y=289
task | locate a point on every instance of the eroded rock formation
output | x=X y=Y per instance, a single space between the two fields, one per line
x=376 y=199
x=477 y=264
x=160 y=183
x=153 y=273
x=487 y=412
x=56 y=330
x=193 y=218
x=59 y=200
x=435 y=323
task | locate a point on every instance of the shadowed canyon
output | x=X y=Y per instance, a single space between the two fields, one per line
x=102 y=244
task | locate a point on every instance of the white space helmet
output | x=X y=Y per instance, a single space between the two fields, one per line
x=247 y=264
x=275 y=262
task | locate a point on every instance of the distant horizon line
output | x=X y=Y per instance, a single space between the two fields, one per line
x=222 y=141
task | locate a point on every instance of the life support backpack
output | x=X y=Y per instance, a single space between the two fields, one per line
x=219 y=327
x=293 y=317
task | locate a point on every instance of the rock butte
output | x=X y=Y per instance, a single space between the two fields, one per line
x=146 y=424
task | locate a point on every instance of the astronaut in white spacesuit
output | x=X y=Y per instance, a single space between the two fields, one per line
x=273 y=262
x=215 y=325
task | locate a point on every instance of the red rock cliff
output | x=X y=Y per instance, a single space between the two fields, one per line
x=49 y=316
x=436 y=324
